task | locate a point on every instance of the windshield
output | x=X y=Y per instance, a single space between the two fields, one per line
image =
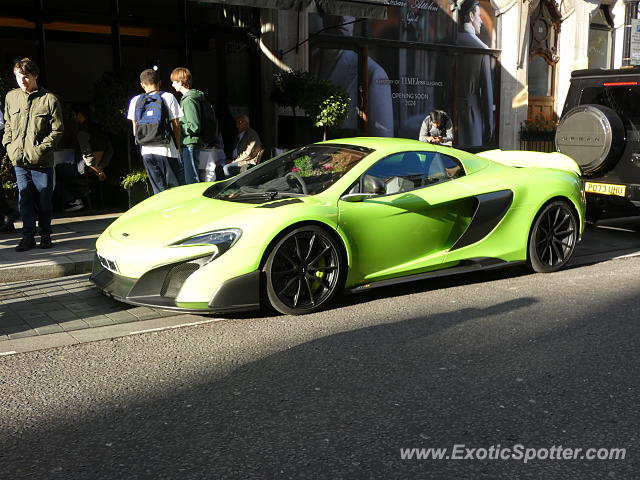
x=304 y=171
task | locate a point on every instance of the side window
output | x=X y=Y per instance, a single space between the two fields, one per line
x=443 y=167
x=403 y=172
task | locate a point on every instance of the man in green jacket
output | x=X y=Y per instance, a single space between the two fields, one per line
x=33 y=128
x=190 y=123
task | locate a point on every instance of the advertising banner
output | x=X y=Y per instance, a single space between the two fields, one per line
x=634 y=50
x=428 y=55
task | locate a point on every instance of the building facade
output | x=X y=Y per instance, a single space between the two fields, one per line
x=396 y=59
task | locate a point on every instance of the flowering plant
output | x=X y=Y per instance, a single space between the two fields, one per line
x=305 y=168
x=539 y=124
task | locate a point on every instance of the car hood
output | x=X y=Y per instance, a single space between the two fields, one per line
x=175 y=222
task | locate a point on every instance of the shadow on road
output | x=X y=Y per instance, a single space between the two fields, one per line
x=342 y=406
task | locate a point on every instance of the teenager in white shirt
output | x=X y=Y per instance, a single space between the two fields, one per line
x=160 y=161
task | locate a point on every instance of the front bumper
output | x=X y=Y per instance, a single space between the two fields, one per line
x=160 y=286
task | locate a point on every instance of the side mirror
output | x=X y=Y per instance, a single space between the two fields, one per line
x=356 y=197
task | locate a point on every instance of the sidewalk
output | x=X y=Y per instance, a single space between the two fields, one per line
x=74 y=240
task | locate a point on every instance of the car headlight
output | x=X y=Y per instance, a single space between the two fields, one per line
x=223 y=239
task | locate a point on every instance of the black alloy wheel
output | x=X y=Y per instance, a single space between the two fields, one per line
x=553 y=237
x=303 y=271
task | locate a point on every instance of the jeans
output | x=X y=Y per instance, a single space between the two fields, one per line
x=35 y=192
x=190 y=157
x=162 y=171
x=232 y=169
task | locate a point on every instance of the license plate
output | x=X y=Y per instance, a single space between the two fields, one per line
x=606 y=189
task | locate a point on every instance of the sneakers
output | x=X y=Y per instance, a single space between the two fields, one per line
x=27 y=243
x=77 y=204
x=45 y=241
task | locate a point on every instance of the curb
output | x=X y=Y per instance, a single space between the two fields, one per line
x=88 y=335
x=44 y=271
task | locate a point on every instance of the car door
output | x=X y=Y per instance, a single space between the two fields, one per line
x=416 y=210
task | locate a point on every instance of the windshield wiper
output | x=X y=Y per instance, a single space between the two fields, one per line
x=267 y=195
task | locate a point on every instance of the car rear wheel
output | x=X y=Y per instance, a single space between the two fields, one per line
x=303 y=271
x=553 y=237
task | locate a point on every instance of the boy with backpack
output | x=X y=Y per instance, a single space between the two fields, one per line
x=198 y=124
x=155 y=117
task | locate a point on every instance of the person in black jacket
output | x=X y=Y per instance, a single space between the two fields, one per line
x=94 y=153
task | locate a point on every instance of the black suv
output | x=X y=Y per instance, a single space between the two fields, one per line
x=600 y=129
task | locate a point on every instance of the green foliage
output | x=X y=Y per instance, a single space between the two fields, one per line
x=7 y=174
x=137 y=176
x=326 y=105
x=303 y=166
x=111 y=95
x=290 y=88
x=329 y=112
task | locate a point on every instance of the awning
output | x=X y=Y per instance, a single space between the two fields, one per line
x=355 y=8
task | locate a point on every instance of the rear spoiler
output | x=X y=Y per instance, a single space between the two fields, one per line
x=521 y=158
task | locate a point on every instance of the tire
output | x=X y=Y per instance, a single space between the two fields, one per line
x=593 y=135
x=553 y=237
x=304 y=270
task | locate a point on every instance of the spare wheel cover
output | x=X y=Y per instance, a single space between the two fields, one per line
x=593 y=135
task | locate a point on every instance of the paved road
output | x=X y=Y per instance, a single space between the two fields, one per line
x=498 y=358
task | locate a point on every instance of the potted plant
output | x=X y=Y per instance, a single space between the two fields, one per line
x=137 y=185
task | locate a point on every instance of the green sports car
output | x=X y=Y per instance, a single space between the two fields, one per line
x=349 y=214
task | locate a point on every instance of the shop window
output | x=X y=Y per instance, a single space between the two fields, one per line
x=540 y=76
x=600 y=38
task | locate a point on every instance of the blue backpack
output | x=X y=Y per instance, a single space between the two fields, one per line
x=153 y=127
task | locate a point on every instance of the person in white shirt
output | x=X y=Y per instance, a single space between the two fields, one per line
x=160 y=160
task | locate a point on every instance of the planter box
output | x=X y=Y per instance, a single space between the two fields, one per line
x=138 y=192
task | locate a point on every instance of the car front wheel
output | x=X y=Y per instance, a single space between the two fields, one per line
x=303 y=271
x=553 y=237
